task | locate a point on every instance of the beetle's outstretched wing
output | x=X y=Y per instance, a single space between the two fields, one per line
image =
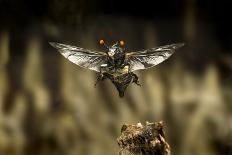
x=148 y=58
x=82 y=57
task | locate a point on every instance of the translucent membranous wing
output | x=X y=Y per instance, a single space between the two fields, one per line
x=148 y=58
x=82 y=57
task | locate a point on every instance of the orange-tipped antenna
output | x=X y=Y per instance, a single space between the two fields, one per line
x=121 y=43
x=101 y=42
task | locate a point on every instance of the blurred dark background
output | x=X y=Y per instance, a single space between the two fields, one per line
x=49 y=106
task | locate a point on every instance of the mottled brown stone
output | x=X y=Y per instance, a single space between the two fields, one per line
x=145 y=139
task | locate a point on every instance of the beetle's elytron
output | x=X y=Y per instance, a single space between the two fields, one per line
x=115 y=63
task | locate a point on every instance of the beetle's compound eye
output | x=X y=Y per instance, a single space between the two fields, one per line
x=101 y=42
x=121 y=43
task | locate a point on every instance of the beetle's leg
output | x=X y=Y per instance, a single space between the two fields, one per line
x=101 y=76
x=135 y=79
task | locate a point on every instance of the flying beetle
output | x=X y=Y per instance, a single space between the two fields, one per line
x=116 y=63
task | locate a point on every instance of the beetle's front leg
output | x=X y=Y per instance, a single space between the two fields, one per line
x=101 y=76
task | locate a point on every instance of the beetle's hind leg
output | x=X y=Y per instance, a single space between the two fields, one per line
x=135 y=79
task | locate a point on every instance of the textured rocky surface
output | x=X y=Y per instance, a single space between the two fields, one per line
x=145 y=139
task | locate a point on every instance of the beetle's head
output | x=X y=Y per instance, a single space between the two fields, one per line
x=118 y=46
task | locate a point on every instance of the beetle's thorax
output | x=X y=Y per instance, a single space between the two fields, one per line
x=112 y=52
x=116 y=56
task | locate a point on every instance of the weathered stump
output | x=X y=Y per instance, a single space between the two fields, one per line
x=146 y=139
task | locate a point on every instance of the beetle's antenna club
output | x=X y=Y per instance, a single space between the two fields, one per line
x=122 y=43
x=102 y=42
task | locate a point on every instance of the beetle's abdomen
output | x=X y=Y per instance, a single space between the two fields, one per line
x=119 y=71
x=121 y=82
